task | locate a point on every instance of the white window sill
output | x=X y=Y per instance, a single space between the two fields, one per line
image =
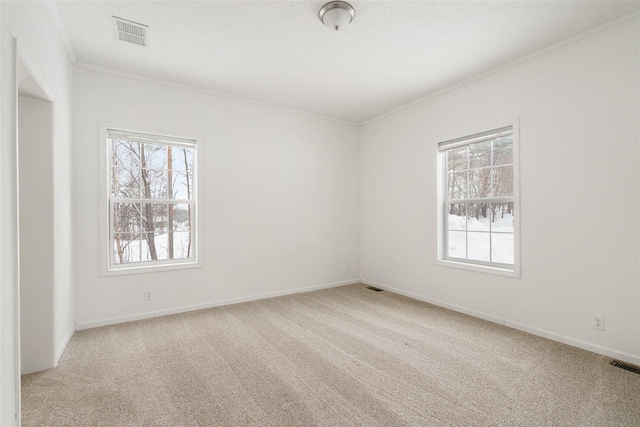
x=151 y=268
x=479 y=268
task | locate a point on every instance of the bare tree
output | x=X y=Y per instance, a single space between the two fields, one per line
x=170 y=207
x=147 y=218
x=186 y=168
x=115 y=190
x=148 y=171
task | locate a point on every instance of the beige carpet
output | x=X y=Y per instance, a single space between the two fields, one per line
x=338 y=357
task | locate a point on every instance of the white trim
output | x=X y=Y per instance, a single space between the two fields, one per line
x=457 y=308
x=149 y=267
x=479 y=268
x=182 y=86
x=53 y=106
x=16 y=236
x=517 y=260
x=64 y=344
x=623 y=19
x=594 y=348
x=62 y=31
x=183 y=309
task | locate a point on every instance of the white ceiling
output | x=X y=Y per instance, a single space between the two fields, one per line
x=278 y=51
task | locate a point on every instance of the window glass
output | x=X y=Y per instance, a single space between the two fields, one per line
x=479 y=203
x=152 y=202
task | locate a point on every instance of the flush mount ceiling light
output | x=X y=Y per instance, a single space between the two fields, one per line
x=336 y=14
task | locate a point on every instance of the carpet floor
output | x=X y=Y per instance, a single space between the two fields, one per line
x=337 y=357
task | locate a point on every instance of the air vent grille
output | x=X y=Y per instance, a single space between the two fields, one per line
x=131 y=32
x=374 y=289
x=625 y=366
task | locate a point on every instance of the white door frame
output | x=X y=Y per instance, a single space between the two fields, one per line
x=20 y=55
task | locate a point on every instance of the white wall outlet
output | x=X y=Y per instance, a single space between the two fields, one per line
x=347 y=269
x=148 y=295
x=598 y=322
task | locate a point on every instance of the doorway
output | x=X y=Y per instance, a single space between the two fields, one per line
x=35 y=262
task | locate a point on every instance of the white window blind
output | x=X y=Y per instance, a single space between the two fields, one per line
x=146 y=138
x=472 y=139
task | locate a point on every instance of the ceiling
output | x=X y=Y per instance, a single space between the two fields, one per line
x=278 y=51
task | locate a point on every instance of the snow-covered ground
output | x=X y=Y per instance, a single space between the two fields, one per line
x=483 y=240
x=133 y=251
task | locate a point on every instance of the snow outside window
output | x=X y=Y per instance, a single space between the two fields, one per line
x=152 y=199
x=479 y=209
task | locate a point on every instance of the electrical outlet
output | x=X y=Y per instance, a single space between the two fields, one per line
x=148 y=295
x=598 y=322
x=347 y=270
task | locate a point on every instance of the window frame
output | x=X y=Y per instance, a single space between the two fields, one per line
x=107 y=202
x=442 y=202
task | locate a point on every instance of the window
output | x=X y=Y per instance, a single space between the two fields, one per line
x=152 y=200
x=479 y=202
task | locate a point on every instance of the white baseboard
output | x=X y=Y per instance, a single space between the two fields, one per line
x=595 y=348
x=183 y=309
x=459 y=309
x=64 y=345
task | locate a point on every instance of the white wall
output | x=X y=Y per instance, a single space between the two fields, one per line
x=279 y=206
x=36 y=235
x=271 y=173
x=31 y=23
x=579 y=121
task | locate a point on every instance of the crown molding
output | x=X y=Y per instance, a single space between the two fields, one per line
x=623 y=19
x=62 y=31
x=197 y=89
x=634 y=15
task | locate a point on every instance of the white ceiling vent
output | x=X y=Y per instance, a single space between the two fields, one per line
x=131 y=32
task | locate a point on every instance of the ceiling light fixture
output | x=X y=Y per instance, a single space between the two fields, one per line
x=336 y=14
